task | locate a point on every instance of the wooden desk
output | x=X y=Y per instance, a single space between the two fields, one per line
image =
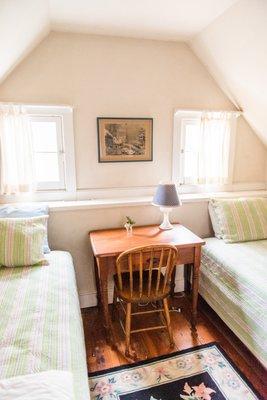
x=108 y=244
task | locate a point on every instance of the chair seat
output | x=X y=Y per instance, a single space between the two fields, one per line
x=125 y=293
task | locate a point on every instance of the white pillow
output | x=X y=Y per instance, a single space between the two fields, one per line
x=49 y=385
x=215 y=220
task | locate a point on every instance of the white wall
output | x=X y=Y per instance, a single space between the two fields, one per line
x=234 y=49
x=105 y=76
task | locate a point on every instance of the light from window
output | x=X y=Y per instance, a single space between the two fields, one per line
x=191 y=148
x=48 y=151
x=205 y=142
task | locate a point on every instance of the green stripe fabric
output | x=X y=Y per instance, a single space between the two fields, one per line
x=21 y=241
x=233 y=281
x=41 y=327
x=239 y=220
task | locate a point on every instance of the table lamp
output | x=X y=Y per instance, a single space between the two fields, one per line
x=166 y=197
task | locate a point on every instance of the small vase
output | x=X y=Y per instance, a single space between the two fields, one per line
x=129 y=229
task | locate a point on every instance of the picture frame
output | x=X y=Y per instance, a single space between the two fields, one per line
x=124 y=139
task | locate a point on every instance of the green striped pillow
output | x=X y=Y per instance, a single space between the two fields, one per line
x=21 y=241
x=240 y=220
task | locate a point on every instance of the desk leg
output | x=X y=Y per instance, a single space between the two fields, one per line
x=187 y=278
x=195 y=286
x=103 y=285
x=98 y=294
x=173 y=281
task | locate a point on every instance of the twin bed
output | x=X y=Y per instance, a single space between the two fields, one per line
x=41 y=327
x=233 y=282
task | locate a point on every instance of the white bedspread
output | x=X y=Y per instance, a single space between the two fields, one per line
x=49 y=385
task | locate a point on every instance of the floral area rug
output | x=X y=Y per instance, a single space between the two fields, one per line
x=199 y=373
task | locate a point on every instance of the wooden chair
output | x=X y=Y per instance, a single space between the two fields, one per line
x=143 y=275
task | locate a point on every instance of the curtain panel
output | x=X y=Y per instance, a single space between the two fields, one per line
x=214 y=143
x=16 y=151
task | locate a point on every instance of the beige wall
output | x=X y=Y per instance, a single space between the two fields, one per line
x=103 y=76
x=250 y=155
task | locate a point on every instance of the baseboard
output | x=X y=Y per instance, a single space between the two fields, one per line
x=89 y=299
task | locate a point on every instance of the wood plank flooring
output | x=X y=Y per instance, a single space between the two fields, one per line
x=150 y=344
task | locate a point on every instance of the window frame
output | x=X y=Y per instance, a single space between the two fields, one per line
x=66 y=141
x=178 y=154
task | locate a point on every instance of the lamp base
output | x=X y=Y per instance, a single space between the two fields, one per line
x=165 y=225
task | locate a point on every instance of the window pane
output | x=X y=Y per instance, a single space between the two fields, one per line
x=191 y=137
x=44 y=135
x=191 y=150
x=46 y=165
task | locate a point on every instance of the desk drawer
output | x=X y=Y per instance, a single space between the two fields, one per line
x=186 y=255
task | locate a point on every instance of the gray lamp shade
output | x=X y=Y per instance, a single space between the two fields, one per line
x=166 y=196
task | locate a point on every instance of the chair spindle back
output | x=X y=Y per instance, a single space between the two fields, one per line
x=155 y=259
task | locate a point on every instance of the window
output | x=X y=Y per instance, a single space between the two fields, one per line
x=37 y=151
x=203 y=147
x=53 y=147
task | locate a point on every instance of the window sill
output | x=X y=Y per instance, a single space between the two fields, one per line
x=145 y=201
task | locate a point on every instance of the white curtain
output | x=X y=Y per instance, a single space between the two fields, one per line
x=216 y=129
x=16 y=162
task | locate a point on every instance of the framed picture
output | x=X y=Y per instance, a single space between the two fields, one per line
x=125 y=139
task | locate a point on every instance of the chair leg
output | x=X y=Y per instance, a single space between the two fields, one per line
x=114 y=307
x=168 y=320
x=128 y=328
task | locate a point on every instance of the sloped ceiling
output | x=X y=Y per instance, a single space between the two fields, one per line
x=151 y=19
x=23 y=24
x=234 y=49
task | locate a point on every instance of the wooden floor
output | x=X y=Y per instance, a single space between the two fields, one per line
x=154 y=343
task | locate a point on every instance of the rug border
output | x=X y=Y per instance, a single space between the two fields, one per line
x=176 y=353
